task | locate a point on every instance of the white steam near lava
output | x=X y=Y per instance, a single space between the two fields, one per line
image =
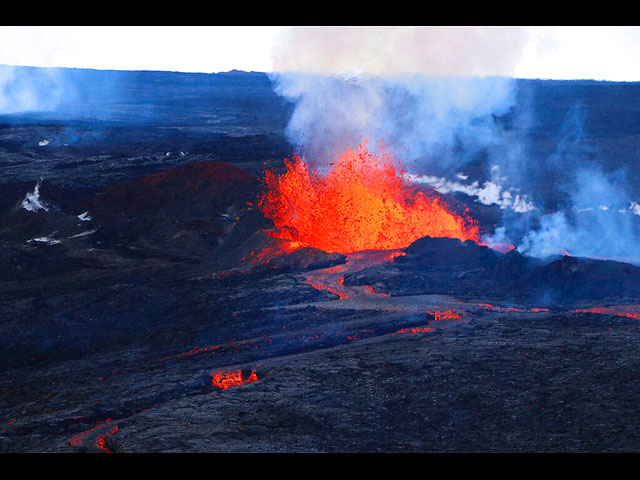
x=32 y=201
x=492 y=192
x=421 y=90
x=433 y=95
x=389 y=51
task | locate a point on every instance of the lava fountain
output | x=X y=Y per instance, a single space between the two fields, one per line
x=362 y=203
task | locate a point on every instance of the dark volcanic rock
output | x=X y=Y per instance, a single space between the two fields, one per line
x=470 y=271
x=448 y=252
x=150 y=272
x=199 y=187
x=181 y=212
x=573 y=279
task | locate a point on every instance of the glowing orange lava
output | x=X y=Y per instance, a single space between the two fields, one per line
x=331 y=279
x=363 y=203
x=416 y=330
x=101 y=427
x=629 y=311
x=445 y=315
x=234 y=378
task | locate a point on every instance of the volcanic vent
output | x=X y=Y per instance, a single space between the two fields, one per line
x=362 y=203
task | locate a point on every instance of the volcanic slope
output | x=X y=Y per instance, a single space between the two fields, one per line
x=204 y=332
x=148 y=306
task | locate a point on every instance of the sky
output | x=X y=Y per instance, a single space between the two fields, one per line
x=554 y=52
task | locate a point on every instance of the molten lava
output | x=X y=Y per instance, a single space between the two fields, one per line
x=445 y=315
x=234 y=378
x=362 y=203
x=629 y=311
x=332 y=279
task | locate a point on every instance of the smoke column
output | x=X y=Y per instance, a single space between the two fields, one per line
x=24 y=89
x=66 y=93
x=425 y=91
x=596 y=216
x=384 y=51
x=432 y=95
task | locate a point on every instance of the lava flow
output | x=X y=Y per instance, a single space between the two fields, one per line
x=95 y=436
x=234 y=378
x=629 y=311
x=362 y=203
x=332 y=279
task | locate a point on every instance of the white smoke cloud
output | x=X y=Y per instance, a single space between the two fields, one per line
x=393 y=51
x=24 y=89
x=32 y=201
x=490 y=193
x=85 y=217
x=49 y=240
x=433 y=94
x=423 y=91
x=596 y=222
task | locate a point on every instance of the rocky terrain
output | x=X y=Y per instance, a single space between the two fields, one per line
x=145 y=305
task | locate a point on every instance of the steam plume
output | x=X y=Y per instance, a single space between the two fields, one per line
x=425 y=91
x=433 y=95
x=392 y=51
x=597 y=216
x=29 y=89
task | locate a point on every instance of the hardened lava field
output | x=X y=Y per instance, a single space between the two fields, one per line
x=175 y=278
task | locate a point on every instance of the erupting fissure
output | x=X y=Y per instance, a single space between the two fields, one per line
x=628 y=311
x=362 y=203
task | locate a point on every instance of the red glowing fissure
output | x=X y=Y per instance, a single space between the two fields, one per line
x=628 y=311
x=233 y=378
x=362 y=203
x=331 y=279
x=83 y=438
x=416 y=330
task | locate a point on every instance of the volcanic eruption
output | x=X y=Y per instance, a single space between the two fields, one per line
x=361 y=203
x=339 y=299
